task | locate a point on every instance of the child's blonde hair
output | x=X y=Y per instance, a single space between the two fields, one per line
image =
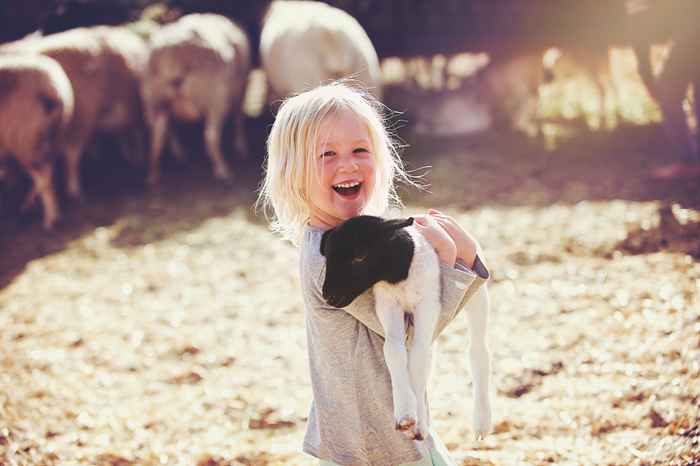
x=293 y=144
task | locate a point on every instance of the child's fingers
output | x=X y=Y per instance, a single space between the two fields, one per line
x=426 y=222
x=447 y=223
x=419 y=220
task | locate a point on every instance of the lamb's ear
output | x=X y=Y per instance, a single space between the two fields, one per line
x=324 y=241
x=396 y=223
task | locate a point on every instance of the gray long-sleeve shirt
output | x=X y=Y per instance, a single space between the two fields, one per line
x=351 y=421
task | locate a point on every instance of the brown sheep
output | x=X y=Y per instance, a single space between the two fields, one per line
x=197 y=70
x=36 y=108
x=104 y=65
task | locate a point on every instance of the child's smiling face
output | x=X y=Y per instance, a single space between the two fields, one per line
x=345 y=170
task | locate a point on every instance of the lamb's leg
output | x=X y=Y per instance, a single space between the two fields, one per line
x=390 y=315
x=420 y=359
x=477 y=313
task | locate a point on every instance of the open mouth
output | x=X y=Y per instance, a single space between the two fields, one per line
x=347 y=189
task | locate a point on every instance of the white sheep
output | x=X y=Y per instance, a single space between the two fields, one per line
x=36 y=106
x=393 y=259
x=304 y=44
x=197 y=70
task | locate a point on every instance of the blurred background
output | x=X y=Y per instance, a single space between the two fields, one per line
x=148 y=316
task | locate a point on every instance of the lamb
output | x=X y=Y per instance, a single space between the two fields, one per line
x=304 y=44
x=104 y=65
x=402 y=269
x=198 y=69
x=36 y=107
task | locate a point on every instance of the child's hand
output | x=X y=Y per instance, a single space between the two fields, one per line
x=466 y=245
x=439 y=239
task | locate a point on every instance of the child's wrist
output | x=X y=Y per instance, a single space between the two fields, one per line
x=468 y=258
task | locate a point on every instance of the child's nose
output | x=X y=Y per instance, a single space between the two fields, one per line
x=349 y=163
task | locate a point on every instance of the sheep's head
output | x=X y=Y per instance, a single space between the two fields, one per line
x=361 y=252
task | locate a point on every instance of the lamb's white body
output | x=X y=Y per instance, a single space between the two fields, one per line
x=410 y=368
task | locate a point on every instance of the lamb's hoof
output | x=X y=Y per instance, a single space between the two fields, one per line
x=482 y=423
x=406 y=423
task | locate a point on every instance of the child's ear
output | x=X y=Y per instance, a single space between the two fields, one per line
x=324 y=240
x=396 y=223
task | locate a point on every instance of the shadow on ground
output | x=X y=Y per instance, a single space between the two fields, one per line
x=499 y=169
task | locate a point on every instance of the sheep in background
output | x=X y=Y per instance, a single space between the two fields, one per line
x=104 y=65
x=36 y=107
x=403 y=271
x=580 y=65
x=500 y=92
x=511 y=86
x=304 y=44
x=198 y=69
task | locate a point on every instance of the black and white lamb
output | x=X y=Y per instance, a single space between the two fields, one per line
x=393 y=259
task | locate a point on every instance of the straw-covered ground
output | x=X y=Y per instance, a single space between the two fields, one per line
x=167 y=327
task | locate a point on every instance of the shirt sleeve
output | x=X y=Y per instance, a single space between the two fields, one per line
x=457 y=286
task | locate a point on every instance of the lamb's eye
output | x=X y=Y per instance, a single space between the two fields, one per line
x=359 y=259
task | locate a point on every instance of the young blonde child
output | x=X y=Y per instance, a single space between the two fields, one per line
x=330 y=158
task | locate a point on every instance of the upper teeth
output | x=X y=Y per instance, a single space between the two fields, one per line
x=347 y=185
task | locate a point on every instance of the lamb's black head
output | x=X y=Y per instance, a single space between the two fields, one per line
x=361 y=252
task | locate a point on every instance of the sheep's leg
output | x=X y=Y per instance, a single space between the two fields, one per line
x=42 y=178
x=672 y=87
x=696 y=110
x=72 y=155
x=29 y=201
x=675 y=123
x=391 y=317
x=159 y=129
x=212 y=137
x=477 y=314
x=241 y=141
x=420 y=359
x=131 y=144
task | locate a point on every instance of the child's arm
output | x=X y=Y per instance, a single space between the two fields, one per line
x=462 y=271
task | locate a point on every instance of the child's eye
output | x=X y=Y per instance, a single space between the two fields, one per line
x=361 y=150
x=360 y=258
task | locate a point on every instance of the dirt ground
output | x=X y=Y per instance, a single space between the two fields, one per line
x=166 y=327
